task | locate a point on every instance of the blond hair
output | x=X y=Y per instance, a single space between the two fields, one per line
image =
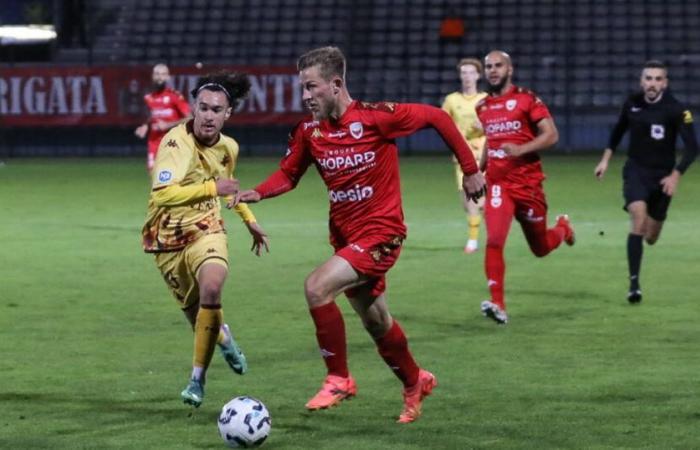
x=470 y=62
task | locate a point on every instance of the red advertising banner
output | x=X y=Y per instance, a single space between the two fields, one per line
x=113 y=95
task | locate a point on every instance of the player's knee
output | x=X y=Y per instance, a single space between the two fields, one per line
x=495 y=244
x=651 y=240
x=314 y=291
x=210 y=294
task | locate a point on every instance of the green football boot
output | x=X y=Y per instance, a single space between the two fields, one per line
x=193 y=394
x=232 y=353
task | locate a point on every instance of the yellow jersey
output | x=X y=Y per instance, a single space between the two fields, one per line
x=462 y=109
x=183 y=205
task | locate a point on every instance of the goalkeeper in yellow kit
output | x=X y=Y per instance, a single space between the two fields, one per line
x=184 y=228
x=460 y=106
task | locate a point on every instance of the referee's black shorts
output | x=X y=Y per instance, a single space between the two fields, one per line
x=643 y=184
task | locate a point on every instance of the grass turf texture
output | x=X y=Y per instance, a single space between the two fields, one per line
x=95 y=352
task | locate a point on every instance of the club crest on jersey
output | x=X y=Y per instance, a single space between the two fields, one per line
x=657 y=131
x=511 y=104
x=164 y=176
x=356 y=130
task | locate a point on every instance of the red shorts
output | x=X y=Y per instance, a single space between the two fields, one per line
x=372 y=255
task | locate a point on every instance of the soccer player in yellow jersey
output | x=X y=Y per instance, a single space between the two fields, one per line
x=460 y=106
x=184 y=228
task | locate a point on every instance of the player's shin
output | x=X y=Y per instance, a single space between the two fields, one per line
x=330 y=334
x=393 y=348
x=206 y=333
x=495 y=274
x=635 y=249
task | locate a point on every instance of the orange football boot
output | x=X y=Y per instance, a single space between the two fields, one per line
x=335 y=389
x=413 y=396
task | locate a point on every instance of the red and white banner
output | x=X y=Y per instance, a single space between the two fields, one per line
x=113 y=95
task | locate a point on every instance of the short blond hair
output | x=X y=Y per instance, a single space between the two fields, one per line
x=470 y=62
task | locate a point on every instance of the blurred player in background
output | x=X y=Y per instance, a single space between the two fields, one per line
x=460 y=106
x=184 y=228
x=518 y=125
x=167 y=109
x=651 y=174
x=352 y=145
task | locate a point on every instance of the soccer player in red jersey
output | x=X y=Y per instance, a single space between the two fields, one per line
x=352 y=144
x=168 y=108
x=517 y=126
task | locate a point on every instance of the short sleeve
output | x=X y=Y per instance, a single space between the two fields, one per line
x=538 y=110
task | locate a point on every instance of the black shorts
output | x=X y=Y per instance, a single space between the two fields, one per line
x=643 y=184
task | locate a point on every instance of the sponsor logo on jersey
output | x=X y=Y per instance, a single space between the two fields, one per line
x=504 y=127
x=347 y=161
x=316 y=133
x=166 y=100
x=511 y=104
x=635 y=109
x=355 y=194
x=311 y=124
x=337 y=134
x=164 y=176
x=356 y=130
x=657 y=131
x=496 y=106
x=497 y=153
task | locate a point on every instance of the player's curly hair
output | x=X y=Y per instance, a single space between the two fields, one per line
x=235 y=85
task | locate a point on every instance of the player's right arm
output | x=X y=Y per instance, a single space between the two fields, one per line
x=171 y=166
x=615 y=138
x=292 y=168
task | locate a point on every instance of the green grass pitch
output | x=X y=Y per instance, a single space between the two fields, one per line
x=94 y=352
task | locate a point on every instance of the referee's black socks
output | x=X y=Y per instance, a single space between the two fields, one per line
x=635 y=249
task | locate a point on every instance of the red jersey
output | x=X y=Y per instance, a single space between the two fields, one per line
x=167 y=105
x=357 y=159
x=512 y=118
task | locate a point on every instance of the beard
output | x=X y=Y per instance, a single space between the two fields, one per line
x=498 y=87
x=158 y=86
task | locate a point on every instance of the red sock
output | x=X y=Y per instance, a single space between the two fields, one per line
x=330 y=334
x=393 y=347
x=495 y=273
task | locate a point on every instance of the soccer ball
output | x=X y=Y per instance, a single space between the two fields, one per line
x=244 y=422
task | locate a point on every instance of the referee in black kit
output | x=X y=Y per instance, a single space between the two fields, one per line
x=651 y=173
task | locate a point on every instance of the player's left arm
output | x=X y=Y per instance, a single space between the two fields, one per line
x=260 y=238
x=687 y=131
x=406 y=118
x=547 y=136
x=547 y=133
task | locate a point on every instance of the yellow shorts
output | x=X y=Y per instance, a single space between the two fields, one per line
x=180 y=269
x=458 y=170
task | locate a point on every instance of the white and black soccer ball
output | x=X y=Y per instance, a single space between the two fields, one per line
x=244 y=422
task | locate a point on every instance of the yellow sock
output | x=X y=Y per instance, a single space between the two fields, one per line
x=474 y=222
x=206 y=332
x=221 y=338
